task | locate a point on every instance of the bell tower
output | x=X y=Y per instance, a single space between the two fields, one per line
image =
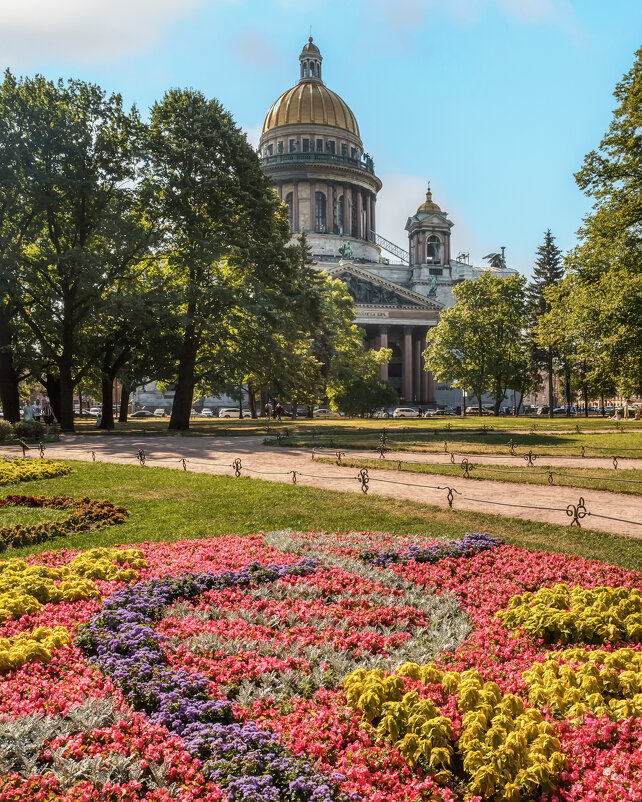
x=310 y=61
x=429 y=246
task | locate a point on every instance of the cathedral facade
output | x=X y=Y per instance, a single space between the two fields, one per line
x=311 y=148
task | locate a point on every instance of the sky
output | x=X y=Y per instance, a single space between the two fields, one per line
x=495 y=102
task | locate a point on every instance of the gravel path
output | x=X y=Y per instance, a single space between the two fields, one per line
x=215 y=455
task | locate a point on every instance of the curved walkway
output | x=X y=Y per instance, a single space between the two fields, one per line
x=209 y=455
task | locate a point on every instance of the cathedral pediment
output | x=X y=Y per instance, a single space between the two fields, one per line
x=368 y=289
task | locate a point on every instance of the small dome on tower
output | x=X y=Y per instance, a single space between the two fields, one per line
x=428 y=205
x=310 y=47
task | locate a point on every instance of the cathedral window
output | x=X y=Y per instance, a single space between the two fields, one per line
x=319 y=146
x=270 y=150
x=293 y=145
x=289 y=200
x=433 y=250
x=319 y=212
x=306 y=145
x=279 y=147
x=340 y=213
x=331 y=146
x=344 y=148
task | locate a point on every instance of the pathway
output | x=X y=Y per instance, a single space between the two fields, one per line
x=216 y=455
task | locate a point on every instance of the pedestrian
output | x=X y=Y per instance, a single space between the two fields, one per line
x=420 y=411
x=268 y=410
x=47 y=414
x=279 y=412
x=28 y=412
x=37 y=410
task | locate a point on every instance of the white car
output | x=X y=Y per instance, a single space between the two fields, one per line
x=405 y=412
x=159 y=413
x=96 y=411
x=324 y=413
x=233 y=412
x=207 y=413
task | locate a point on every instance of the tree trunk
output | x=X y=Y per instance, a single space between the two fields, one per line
x=567 y=388
x=52 y=385
x=107 y=388
x=240 y=402
x=586 y=400
x=124 y=403
x=184 y=394
x=252 y=398
x=602 y=403
x=549 y=370
x=66 y=396
x=9 y=394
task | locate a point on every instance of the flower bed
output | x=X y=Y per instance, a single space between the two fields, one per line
x=285 y=667
x=86 y=514
x=25 y=469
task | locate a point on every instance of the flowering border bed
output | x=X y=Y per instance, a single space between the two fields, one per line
x=311 y=674
x=26 y=469
x=86 y=514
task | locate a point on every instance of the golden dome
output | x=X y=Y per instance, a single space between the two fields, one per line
x=311 y=102
x=428 y=205
x=310 y=47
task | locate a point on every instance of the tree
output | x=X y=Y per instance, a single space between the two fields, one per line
x=547 y=272
x=223 y=228
x=478 y=342
x=73 y=165
x=364 y=395
x=601 y=297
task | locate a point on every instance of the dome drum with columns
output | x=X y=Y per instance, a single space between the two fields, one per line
x=312 y=150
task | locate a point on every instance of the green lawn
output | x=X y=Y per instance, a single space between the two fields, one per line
x=617 y=481
x=170 y=504
x=28 y=516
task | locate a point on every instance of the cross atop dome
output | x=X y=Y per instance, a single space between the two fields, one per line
x=310 y=61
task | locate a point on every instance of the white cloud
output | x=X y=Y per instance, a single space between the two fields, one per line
x=89 y=31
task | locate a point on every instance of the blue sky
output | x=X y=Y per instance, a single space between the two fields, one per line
x=495 y=101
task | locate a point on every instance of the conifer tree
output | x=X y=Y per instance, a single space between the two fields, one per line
x=548 y=271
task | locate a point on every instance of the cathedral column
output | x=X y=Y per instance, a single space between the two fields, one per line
x=416 y=370
x=312 y=209
x=295 y=207
x=373 y=207
x=359 y=213
x=347 y=196
x=407 y=364
x=366 y=233
x=425 y=394
x=383 y=343
x=329 y=208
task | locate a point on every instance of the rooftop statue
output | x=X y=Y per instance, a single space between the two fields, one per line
x=346 y=250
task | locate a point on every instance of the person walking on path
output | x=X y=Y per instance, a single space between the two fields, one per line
x=268 y=410
x=279 y=412
x=47 y=414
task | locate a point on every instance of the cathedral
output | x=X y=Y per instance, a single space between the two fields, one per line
x=312 y=150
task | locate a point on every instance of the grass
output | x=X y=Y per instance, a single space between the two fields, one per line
x=28 y=516
x=168 y=504
x=612 y=480
x=430 y=440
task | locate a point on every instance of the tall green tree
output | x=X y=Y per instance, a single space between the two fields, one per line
x=548 y=271
x=478 y=343
x=601 y=296
x=223 y=229
x=75 y=165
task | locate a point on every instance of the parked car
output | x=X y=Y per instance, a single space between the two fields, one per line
x=438 y=413
x=96 y=411
x=382 y=413
x=233 y=412
x=207 y=413
x=159 y=413
x=323 y=412
x=405 y=412
x=475 y=410
x=142 y=413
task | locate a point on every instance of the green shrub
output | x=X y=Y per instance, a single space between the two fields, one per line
x=6 y=431
x=29 y=430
